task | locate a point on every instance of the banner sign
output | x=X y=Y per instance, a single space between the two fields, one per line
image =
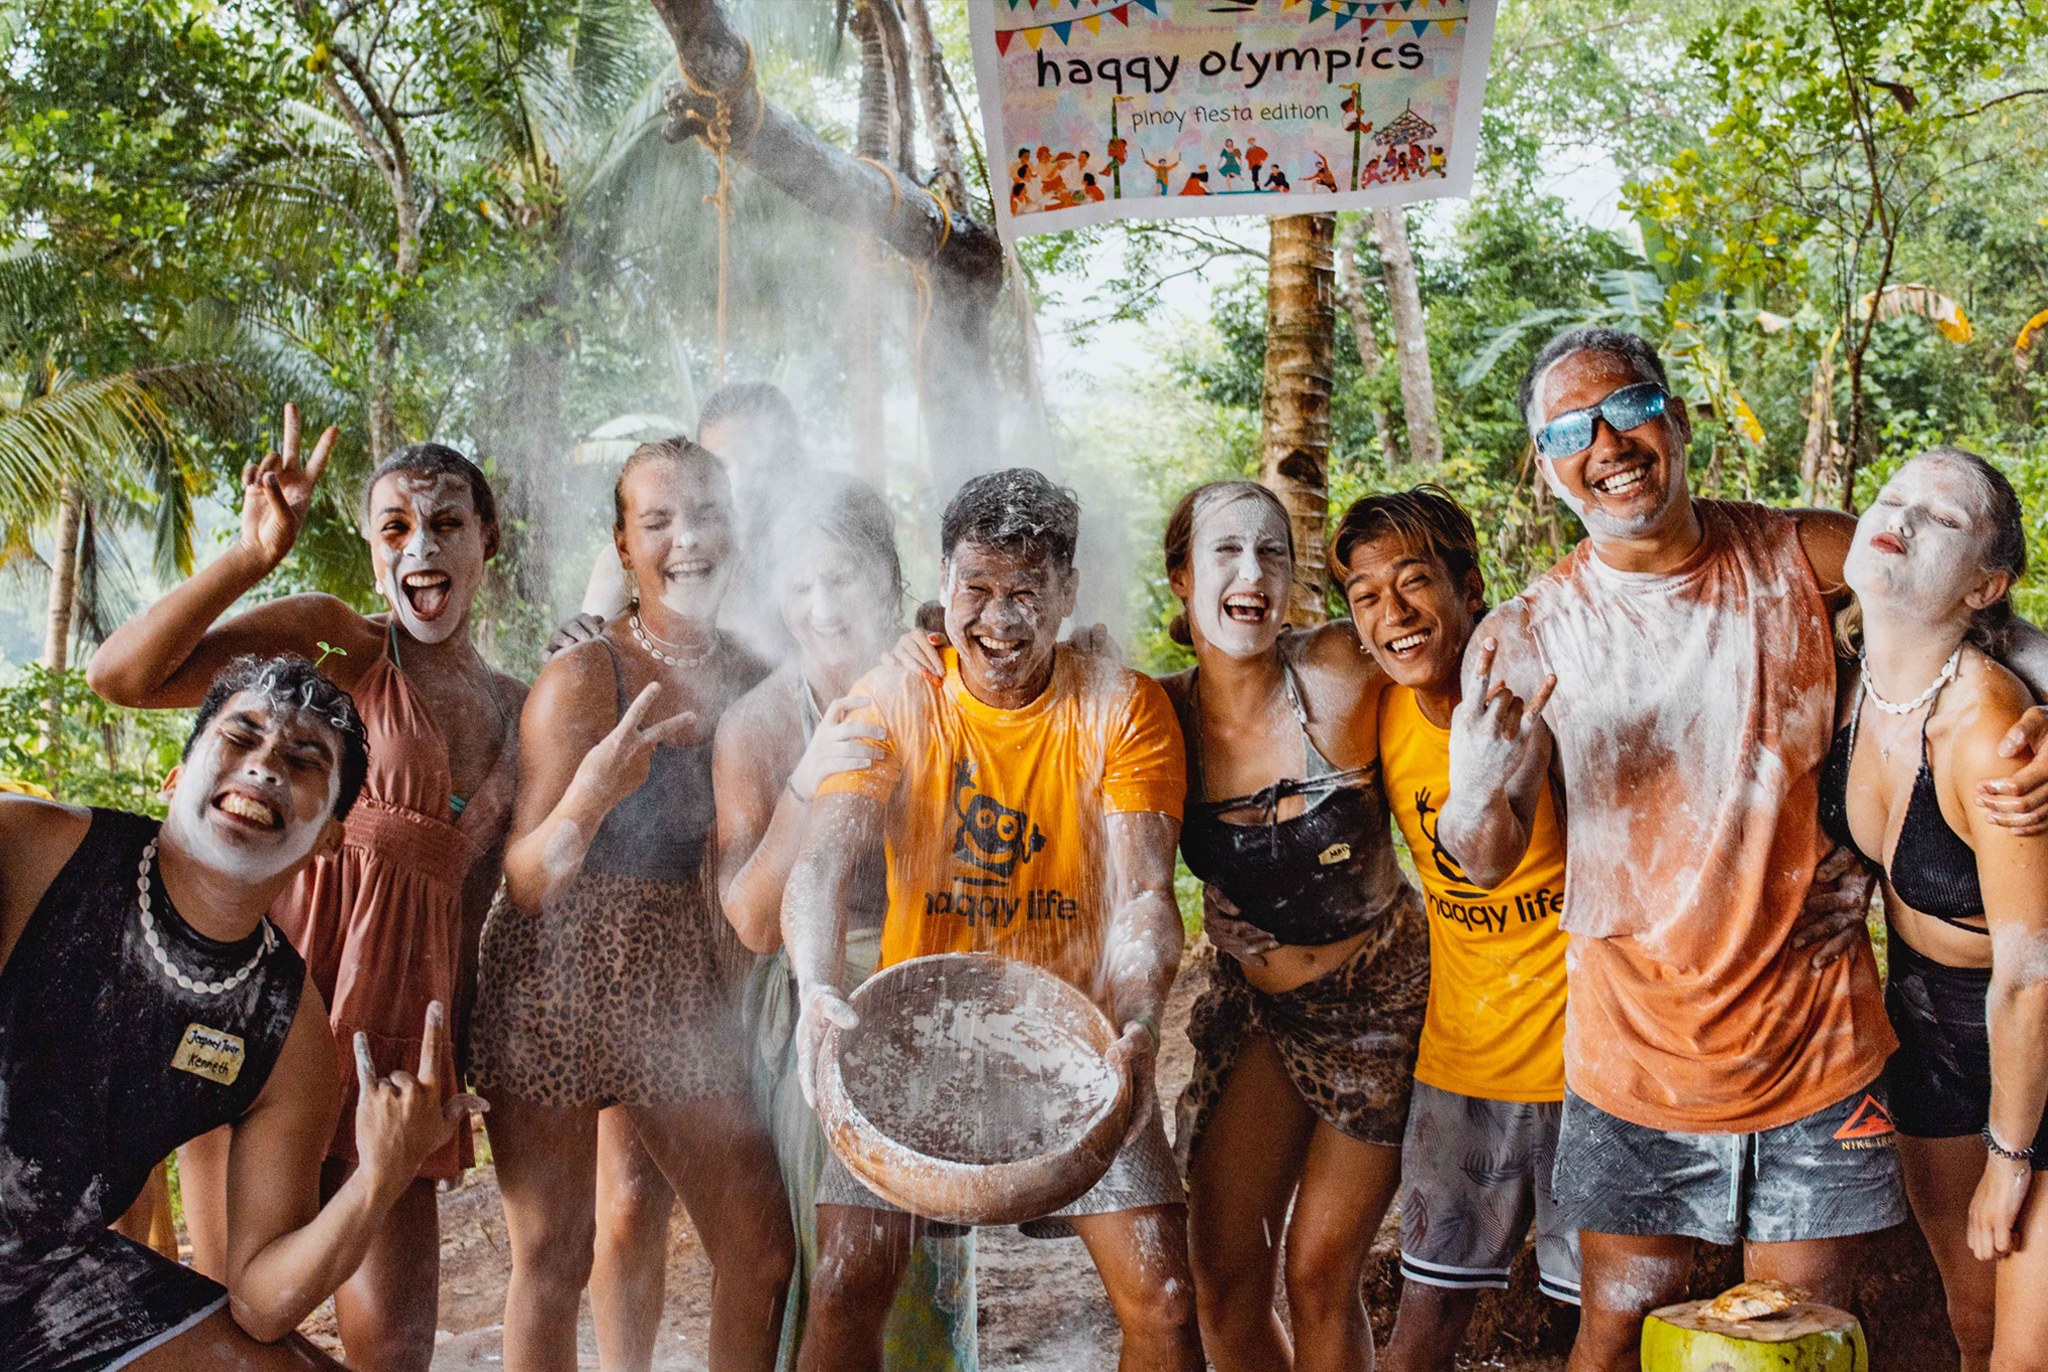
x=1152 y=109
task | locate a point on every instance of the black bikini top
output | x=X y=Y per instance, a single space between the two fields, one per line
x=1932 y=869
x=1310 y=880
x=661 y=830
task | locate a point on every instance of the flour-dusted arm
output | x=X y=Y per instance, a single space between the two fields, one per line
x=1500 y=760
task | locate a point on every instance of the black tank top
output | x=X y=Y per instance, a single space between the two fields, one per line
x=106 y=1063
x=1320 y=877
x=1932 y=869
x=660 y=831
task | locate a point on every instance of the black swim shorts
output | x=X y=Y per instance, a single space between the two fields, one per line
x=96 y=1305
x=1830 y=1175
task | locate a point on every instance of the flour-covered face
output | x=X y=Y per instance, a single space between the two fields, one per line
x=256 y=790
x=839 y=606
x=1003 y=613
x=1920 y=547
x=677 y=543
x=430 y=546
x=1626 y=483
x=1238 y=576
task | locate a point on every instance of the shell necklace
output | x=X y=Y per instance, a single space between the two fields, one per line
x=1941 y=679
x=163 y=959
x=647 y=641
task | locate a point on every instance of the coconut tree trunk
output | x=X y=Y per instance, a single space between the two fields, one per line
x=63 y=602
x=1301 y=336
x=1404 y=297
x=928 y=67
x=871 y=139
x=1351 y=293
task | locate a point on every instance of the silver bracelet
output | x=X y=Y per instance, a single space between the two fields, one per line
x=1999 y=1150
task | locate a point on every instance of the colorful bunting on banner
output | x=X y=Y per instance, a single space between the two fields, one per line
x=1083 y=4
x=1362 y=12
x=1063 y=29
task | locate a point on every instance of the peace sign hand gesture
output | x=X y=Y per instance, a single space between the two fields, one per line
x=1494 y=732
x=618 y=765
x=278 y=491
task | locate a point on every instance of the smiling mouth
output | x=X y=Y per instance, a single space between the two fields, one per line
x=1407 y=645
x=248 y=809
x=427 y=592
x=1246 y=607
x=999 y=652
x=1623 y=481
x=696 y=569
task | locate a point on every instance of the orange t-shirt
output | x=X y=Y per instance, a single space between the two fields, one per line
x=994 y=821
x=1692 y=716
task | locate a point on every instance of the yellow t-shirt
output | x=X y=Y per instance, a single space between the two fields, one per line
x=1495 y=1025
x=995 y=817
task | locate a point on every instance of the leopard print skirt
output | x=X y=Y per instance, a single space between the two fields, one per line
x=1347 y=1039
x=623 y=990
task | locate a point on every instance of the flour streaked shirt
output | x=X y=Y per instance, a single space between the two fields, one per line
x=994 y=822
x=1495 y=1023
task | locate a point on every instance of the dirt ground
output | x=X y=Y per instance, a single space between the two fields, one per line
x=1042 y=1307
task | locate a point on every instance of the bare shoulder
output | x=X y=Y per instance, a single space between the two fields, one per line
x=39 y=837
x=1825 y=536
x=575 y=685
x=1990 y=700
x=510 y=692
x=765 y=714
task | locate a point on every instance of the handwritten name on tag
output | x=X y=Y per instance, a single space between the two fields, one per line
x=1334 y=854
x=209 y=1053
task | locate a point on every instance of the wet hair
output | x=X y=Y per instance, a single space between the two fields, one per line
x=852 y=514
x=754 y=402
x=1179 y=541
x=1428 y=520
x=2005 y=550
x=1631 y=348
x=438 y=459
x=289 y=682
x=1018 y=511
x=678 y=450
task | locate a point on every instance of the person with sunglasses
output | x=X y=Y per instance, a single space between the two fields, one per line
x=1676 y=676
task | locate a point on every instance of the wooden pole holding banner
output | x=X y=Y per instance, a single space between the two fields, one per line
x=1301 y=341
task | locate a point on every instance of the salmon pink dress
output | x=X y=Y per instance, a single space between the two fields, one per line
x=380 y=922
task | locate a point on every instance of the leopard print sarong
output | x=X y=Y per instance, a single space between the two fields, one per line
x=622 y=991
x=1347 y=1039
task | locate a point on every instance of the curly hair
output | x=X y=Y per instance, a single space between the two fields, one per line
x=291 y=683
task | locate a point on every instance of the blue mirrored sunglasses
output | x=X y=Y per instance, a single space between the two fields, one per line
x=1624 y=409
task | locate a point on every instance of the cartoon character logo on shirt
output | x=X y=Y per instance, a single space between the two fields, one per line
x=1445 y=864
x=992 y=837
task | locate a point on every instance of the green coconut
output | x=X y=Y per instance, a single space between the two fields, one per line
x=1755 y=1327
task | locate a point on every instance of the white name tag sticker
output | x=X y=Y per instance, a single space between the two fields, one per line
x=1334 y=854
x=209 y=1053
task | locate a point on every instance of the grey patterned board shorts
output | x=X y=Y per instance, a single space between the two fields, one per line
x=1833 y=1174
x=1140 y=1176
x=1475 y=1174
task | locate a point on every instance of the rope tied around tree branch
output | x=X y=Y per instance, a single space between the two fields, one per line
x=719 y=137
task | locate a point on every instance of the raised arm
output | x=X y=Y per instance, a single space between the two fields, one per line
x=574 y=770
x=1142 y=947
x=761 y=816
x=2013 y=872
x=1500 y=763
x=844 y=828
x=168 y=655
x=286 y=1251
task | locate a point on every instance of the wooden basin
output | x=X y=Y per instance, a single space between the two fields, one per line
x=974 y=1090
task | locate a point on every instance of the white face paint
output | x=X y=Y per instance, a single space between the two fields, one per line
x=1241 y=576
x=429 y=546
x=257 y=789
x=1626 y=484
x=839 y=607
x=1919 y=548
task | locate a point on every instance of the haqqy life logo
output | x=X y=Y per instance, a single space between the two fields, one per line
x=1465 y=904
x=992 y=838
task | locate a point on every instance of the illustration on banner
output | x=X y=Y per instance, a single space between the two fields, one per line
x=1159 y=108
